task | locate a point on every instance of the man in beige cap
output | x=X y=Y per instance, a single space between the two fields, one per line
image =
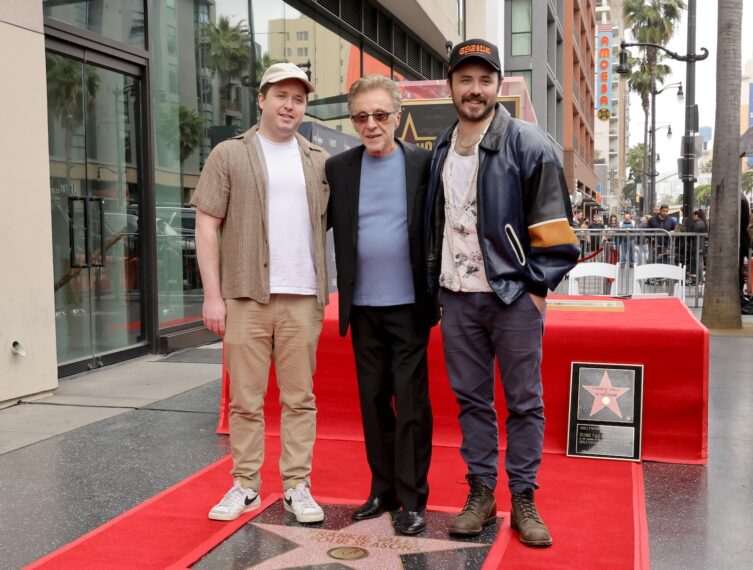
x=265 y=284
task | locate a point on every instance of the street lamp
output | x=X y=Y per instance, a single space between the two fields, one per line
x=654 y=93
x=691 y=111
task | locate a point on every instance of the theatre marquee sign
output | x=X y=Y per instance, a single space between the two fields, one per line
x=604 y=72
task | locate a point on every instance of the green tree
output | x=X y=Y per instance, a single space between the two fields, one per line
x=721 y=303
x=628 y=192
x=635 y=158
x=191 y=127
x=69 y=94
x=703 y=195
x=229 y=53
x=639 y=81
x=650 y=21
x=746 y=183
x=182 y=131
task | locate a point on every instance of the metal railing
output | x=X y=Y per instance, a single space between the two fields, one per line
x=627 y=248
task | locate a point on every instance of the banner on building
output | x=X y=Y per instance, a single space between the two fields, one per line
x=424 y=119
x=604 y=72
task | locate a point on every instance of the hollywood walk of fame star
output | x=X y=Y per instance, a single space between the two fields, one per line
x=376 y=536
x=605 y=395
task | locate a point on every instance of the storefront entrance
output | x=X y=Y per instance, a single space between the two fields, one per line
x=96 y=191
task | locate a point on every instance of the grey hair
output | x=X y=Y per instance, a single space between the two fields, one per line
x=374 y=81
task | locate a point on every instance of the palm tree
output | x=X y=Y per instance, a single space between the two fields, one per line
x=182 y=131
x=651 y=21
x=746 y=184
x=191 y=128
x=721 y=303
x=229 y=53
x=68 y=97
x=639 y=81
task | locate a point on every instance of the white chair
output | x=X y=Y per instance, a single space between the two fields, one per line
x=592 y=269
x=660 y=271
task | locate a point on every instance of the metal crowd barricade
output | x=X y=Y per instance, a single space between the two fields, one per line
x=628 y=248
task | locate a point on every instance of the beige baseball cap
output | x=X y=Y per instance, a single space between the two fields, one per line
x=281 y=71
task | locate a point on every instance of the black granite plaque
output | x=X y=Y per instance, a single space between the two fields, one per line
x=606 y=401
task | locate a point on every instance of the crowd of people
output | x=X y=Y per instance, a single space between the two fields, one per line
x=673 y=239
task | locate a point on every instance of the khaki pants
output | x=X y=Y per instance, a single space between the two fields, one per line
x=286 y=330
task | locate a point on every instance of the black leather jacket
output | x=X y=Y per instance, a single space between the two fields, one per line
x=523 y=209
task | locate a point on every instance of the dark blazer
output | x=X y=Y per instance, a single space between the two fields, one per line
x=344 y=177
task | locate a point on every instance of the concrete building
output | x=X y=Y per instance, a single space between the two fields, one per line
x=579 y=98
x=555 y=54
x=534 y=49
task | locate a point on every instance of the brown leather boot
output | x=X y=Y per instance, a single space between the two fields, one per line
x=480 y=509
x=526 y=520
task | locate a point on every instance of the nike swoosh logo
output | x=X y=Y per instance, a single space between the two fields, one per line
x=288 y=501
x=248 y=501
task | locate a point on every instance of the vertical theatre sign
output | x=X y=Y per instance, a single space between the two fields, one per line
x=604 y=72
x=750 y=117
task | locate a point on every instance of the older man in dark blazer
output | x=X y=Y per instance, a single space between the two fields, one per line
x=376 y=209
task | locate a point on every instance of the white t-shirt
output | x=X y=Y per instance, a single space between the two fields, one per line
x=462 y=260
x=291 y=239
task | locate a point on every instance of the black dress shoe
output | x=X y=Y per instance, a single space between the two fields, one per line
x=412 y=522
x=373 y=507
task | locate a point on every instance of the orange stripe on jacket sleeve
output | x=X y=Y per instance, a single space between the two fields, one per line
x=547 y=234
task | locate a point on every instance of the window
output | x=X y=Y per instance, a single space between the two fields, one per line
x=525 y=75
x=119 y=21
x=520 y=29
x=203 y=14
x=172 y=40
x=173 y=78
x=289 y=52
x=302 y=36
x=303 y=52
x=198 y=102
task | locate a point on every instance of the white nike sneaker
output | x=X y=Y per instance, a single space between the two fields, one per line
x=235 y=502
x=300 y=502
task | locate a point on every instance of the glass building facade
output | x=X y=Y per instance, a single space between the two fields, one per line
x=138 y=95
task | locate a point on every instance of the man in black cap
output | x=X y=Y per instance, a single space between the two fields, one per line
x=499 y=237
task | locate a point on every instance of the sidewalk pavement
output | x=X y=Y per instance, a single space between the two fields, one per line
x=109 y=439
x=93 y=396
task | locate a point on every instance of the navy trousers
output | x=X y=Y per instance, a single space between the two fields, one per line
x=476 y=328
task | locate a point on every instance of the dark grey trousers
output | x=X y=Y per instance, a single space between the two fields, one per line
x=476 y=328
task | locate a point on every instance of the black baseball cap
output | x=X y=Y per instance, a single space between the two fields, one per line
x=474 y=49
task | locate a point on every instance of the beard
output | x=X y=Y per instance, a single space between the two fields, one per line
x=478 y=114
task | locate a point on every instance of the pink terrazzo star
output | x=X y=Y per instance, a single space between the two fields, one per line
x=605 y=395
x=376 y=536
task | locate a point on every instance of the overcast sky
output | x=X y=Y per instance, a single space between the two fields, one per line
x=668 y=110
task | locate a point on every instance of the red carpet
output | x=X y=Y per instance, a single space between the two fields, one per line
x=660 y=334
x=594 y=508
